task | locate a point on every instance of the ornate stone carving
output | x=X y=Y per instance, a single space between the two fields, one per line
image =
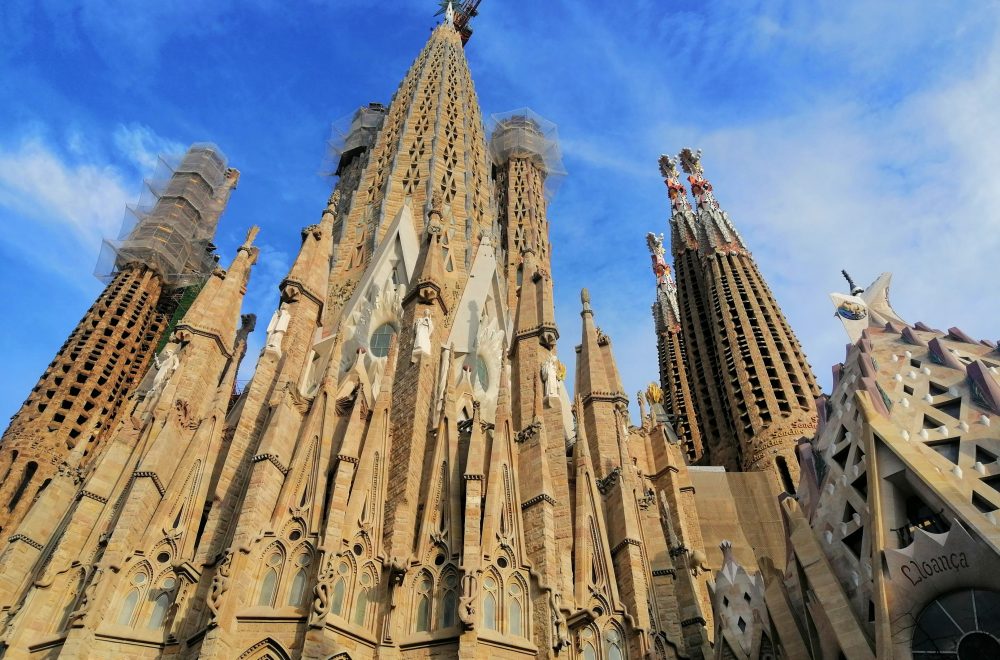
x=321 y=595
x=604 y=485
x=467 y=602
x=529 y=432
x=220 y=585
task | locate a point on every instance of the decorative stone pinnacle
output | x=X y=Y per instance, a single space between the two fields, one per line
x=654 y=394
x=727 y=551
x=668 y=167
x=585 y=299
x=691 y=161
x=251 y=235
x=657 y=252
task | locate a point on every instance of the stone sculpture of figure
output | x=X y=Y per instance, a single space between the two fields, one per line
x=220 y=584
x=167 y=364
x=550 y=377
x=276 y=329
x=422 y=330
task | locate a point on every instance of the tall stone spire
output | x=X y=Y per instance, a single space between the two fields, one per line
x=431 y=141
x=675 y=387
x=601 y=392
x=702 y=357
x=159 y=260
x=768 y=386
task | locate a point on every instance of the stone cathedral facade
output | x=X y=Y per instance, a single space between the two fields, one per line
x=411 y=472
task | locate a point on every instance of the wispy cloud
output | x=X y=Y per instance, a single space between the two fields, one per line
x=36 y=182
x=143 y=147
x=62 y=199
x=837 y=135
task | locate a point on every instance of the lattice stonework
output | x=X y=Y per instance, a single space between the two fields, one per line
x=431 y=143
x=76 y=402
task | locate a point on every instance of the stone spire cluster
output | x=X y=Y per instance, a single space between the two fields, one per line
x=754 y=390
x=406 y=475
x=406 y=472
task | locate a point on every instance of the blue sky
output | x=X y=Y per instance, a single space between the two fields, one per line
x=838 y=134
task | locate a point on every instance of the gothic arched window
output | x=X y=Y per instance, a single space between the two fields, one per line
x=423 y=603
x=589 y=651
x=613 y=640
x=161 y=602
x=269 y=585
x=490 y=601
x=160 y=606
x=126 y=614
x=449 y=603
x=361 y=606
x=297 y=593
x=515 y=609
x=340 y=589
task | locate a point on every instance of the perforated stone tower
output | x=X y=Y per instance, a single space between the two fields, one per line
x=754 y=389
x=165 y=249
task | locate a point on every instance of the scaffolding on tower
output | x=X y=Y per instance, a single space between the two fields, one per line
x=171 y=229
x=525 y=134
x=350 y=136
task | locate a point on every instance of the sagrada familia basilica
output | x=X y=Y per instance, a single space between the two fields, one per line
x=411 y=473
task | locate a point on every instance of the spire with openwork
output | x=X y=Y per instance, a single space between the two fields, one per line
x=767 y=387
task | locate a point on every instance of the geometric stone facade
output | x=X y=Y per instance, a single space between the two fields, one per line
x=406 y=475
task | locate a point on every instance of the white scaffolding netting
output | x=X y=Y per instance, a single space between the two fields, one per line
x=526 y=134
x=351 y=135
x=172 y=227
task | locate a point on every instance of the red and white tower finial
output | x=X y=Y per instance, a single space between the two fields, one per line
x=700 y=187
x=675 y=189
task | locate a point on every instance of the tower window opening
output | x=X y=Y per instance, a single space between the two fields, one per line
x=29 y=472
x=786 y=475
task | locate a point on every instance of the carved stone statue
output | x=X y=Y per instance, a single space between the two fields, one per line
x=220 y=584
x=276 y=329
x=550 y=377
x=467 y=603
x=422 y=330
x=167 y=364
x=88 y=597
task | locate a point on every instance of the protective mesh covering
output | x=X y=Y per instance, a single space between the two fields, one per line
x=525 y=134
x=172 y=227
x=353 y=134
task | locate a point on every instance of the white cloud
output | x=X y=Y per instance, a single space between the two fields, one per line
x=143 y=147
x=86 y=199
x=861 y=141
x=59 y=203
